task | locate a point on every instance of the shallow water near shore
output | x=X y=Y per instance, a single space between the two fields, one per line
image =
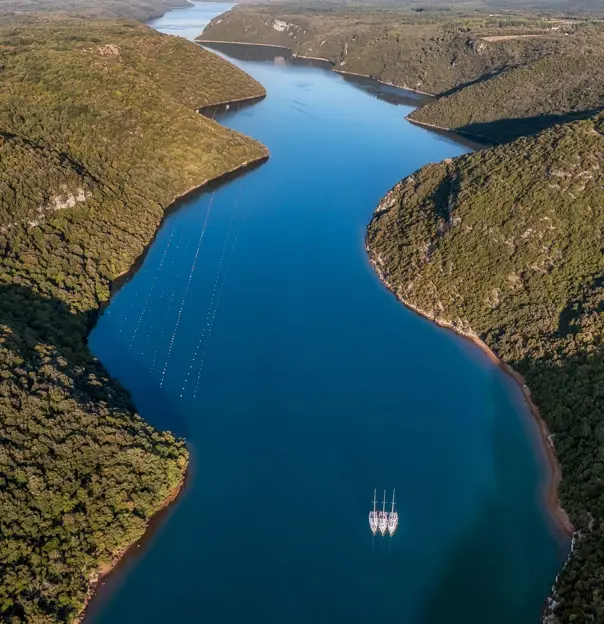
x=301 y=385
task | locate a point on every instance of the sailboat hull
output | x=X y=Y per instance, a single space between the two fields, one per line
x=392 y=523
x=383 y=522
x=373 y=522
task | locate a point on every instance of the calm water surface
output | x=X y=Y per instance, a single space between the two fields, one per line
x=301 y=385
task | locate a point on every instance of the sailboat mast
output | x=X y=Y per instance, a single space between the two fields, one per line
x=393 y=491
x=374 y=499
x=384 y=505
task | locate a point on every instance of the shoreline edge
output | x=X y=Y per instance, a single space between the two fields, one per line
x=551 y=498
x=154 y=521
x=118 y=281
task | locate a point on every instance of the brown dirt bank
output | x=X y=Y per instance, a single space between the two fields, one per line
x=122 y=556
x=293 y=54
x=251 y=99
x=552 y=501
x=259 y=45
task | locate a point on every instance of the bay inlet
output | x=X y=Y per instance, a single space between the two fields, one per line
x=257 y=329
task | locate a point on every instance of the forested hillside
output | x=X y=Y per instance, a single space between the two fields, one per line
x=499 y=76
x=428 y=51
x=98 y=135
x=135 y=9
x=554 y=89
x=506 y=244
x=550 y=6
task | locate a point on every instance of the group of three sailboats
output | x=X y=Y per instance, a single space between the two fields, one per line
x=383 y=521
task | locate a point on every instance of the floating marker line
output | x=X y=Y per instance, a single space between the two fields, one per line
x=169 y=308
x=210 y=325
x=125 y=318
x=182 y=305
x=140 y=318
x=129 y=308
x=207 y=327
x=161 y=296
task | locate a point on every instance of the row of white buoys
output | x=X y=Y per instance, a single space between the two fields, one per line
x=150 y=293
x=169 y=296
x=383 y=521
x=213 y=317
x=168 y=308
x=202 y=341
x=184 y=298
x=169 y=264
x=216 y=294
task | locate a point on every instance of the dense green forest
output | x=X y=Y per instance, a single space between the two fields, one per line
x=507 y=244
x=98 y=135
x=498 y=76
x=554 y=89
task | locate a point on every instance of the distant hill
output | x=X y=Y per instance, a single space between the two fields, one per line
x=499 y=76
x=566 y=6
x=98 y=135
x=554 y=89
x=506 y=244
x=428 y=51
x=136 y=9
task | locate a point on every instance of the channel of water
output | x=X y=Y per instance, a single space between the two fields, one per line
x=301 y=385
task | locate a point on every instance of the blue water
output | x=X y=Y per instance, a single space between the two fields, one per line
x=189 y=22
x=301 y=385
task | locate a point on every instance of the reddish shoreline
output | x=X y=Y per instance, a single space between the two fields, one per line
x=122 y=554
x=551 y=498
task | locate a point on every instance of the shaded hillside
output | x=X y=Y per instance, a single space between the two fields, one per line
x=98 y=134
x=429 y=51
x=507 y=244
x=527 y=99
x=136 y=9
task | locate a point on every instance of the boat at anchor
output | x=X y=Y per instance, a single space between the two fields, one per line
x=392 y=518
x=373 y=516
x=383 y=517
x=383 y=521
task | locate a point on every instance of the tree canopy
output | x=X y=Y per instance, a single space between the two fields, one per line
x=98 y=135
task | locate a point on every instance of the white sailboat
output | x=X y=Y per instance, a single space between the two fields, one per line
x=392 y=518
x=383 y=517
x=373 y=516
